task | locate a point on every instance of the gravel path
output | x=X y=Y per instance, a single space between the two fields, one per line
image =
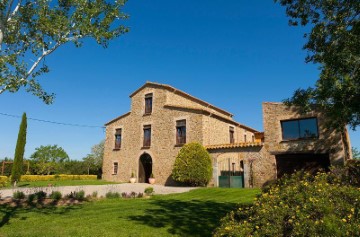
x=100 y=189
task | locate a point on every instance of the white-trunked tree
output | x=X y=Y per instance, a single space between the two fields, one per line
x=30 y=30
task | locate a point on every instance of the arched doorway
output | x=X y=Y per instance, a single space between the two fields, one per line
x=145 y=168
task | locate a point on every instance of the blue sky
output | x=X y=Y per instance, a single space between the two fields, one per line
x=234 y=54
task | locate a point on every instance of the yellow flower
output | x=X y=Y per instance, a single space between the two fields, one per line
x=257 y=227
x=344 y=220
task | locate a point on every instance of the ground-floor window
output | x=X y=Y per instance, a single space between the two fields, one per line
x=115 y=168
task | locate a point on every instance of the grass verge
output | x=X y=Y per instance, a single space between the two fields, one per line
x=196 y=213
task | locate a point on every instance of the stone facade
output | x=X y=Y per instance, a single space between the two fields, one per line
x=328 y=142
x=205 y=124
x=252 y=153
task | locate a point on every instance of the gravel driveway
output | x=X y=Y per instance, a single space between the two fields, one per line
x=100 y=189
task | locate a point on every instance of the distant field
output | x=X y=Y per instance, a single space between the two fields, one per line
x=61 y=183
x=196 y=213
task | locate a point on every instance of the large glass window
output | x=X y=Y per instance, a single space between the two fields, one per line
x=147 y=136
x=299 y=129
x=118 y=138
x=148 y=103
x=180 y=132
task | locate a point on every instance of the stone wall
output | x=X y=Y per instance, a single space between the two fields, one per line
x=256 y=158
x=163 y=149
x=217 y=132
x=329 y=141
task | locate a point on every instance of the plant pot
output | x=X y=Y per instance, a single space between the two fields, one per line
x=132 y=180
x=151 y=180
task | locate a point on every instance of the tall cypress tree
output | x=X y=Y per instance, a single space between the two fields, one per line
x=19 y=151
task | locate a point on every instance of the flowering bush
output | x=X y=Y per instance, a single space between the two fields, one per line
x=300 y=205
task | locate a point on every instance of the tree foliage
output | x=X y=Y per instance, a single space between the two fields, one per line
x=95 y=158
x=193 y=165
x=47 y=159
x=334 y=43
x=17 y=167
x=355 y=153
x=32 y=30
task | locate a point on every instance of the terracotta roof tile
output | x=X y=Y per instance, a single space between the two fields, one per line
x=234 y=145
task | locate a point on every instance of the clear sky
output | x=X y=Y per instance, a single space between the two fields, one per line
x=234 y=54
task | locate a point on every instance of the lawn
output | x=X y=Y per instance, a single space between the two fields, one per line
x=196 y=213
x=61 y=183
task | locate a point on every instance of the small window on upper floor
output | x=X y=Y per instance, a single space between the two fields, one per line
x=148 y=103
x=118 y=138
x=147 y=136
x=245 y=139
x=299 y=129
x=115 y=168
x=180 y=132
x=253 y=138
x=231 y=133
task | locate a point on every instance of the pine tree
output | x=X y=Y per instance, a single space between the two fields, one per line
x=19 y=151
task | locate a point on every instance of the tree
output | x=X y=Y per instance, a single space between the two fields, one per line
x=19 y=151
x=193 y=165
x=32 y=30
x=48 y=158
x=334 y=43
x=95 y=159
x=355 y=153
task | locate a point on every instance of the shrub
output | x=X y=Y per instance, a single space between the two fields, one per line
x=193 y=165
x=300 y=205
x=18 y=195
x=56 y=195
x=94 y=194
x=80 y=195
x=149 y=190
x=140 y=195
x=112 y=195
x=31 y=198
x=40 y=196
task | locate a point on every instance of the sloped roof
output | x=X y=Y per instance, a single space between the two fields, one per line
x=115 y=119
x=182 y=93
x=234 y=145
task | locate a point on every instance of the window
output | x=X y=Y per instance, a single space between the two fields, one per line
x=231 y=131
x=115 y=166
x=244 y=137
x=180 y=132
x=299 y=129
x=148 y=103
x=147 y=136
x=253 y=138
x=118 y=138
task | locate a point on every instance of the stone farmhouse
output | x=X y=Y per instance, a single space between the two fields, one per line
x=162 y=119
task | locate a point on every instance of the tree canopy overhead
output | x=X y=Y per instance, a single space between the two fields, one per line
x=31 y=30
x=334 y=43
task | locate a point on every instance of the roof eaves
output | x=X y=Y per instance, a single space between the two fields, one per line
x=115 y=119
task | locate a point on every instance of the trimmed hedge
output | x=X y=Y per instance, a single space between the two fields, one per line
x=30 y=178
x=193 y=165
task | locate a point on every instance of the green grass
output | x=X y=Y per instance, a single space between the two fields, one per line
x=61 y=183
x=196 y=213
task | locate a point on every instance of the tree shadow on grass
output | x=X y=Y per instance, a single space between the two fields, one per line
x=8 y=211
x=185 y=218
